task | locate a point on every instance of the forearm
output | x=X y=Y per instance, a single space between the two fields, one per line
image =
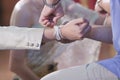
x=62 y=34
x=100 y=20
x=48 y=34
x=51 y=1
x=100 y=33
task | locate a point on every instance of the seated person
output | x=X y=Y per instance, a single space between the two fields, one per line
x=34 y=63
x=108 y=69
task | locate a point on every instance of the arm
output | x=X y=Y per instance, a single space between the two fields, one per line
x=49 y=15
x=101 y=33
x=71 y=31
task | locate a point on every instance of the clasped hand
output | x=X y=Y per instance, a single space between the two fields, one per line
x=75 y=29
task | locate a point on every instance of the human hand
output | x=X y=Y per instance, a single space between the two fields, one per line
x=99 y=8
x=75 y=29
x=49 y=16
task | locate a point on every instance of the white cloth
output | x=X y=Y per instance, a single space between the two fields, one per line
x=20 y=38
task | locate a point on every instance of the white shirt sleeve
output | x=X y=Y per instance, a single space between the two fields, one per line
x=20 y=38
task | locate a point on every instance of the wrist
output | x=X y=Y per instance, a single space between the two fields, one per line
x=57 y=33
x=49 y=34
x=88 y=34
x=52 y=3
x=62 y=31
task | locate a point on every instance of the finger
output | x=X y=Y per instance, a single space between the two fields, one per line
x=48 y=24
x=79 y=21
x=83 y=26
x=41 y=19
x=52 y=25
x=45 y=22
x=55 y=19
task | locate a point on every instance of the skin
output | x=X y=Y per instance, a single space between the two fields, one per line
x=105 y=30
x=105 y=5
x=46 y=19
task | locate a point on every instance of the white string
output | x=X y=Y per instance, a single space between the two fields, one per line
x=57 y=33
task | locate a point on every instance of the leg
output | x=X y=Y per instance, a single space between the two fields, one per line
x=91 y=71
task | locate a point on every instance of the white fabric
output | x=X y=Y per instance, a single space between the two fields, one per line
x=57 y=33
x=20 y=38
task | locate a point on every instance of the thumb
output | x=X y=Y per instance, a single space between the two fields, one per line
x=56 y=18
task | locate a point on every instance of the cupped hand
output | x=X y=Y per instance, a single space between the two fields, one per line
x=75 y=29
x=50 y=16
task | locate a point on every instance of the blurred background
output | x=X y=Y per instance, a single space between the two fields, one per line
x=6 y=7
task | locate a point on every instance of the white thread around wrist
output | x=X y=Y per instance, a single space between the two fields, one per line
x=57 y=33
